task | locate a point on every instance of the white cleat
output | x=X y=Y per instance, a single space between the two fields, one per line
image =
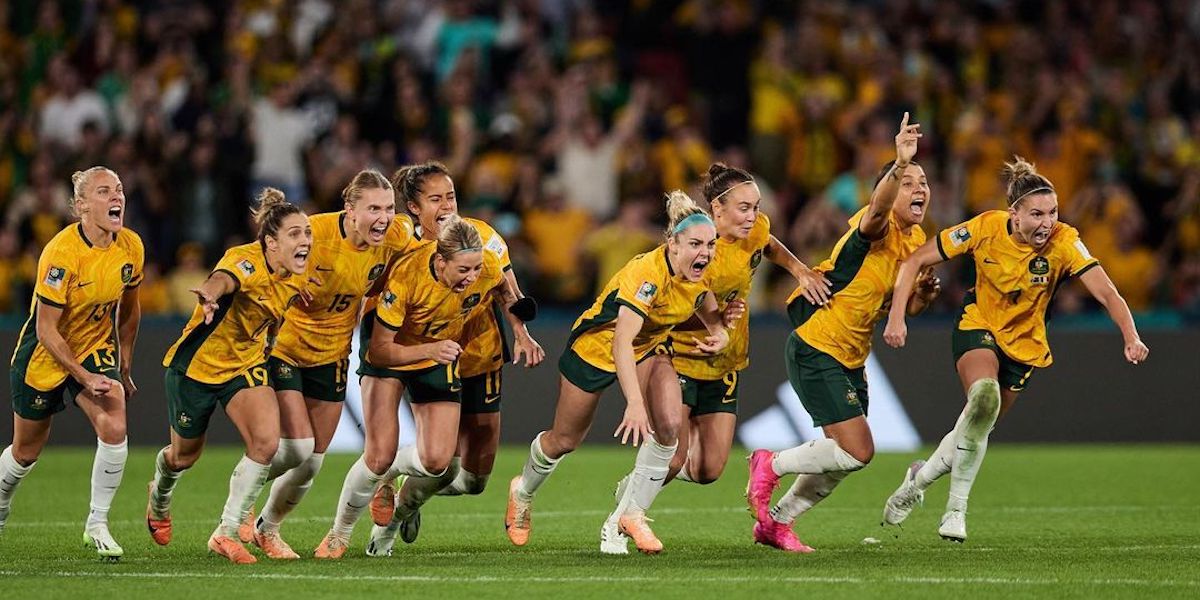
x=98 y=537
x=905 y=498
x=612 y=541
x=382 y=539
x=954 y=526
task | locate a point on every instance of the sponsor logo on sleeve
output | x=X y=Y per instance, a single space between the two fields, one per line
x=646 y=293
x=960 y=236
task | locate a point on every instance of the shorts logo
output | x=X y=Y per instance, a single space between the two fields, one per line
x=55 y=276
x=246 y=267
x=471 y=301
x=127 y=273
x=988 y=340
x=1039 y=265
x=39 y=403
x=852 y=398
x=731 y=296
x=755 y=259
x=388 y=298
x=646 y=293
x=491 y=399
x=960 y=236
x=732 y=399
x=376 y=271
x=339 y=389
x=184 y=420
x=700 y=299
x=284 y=371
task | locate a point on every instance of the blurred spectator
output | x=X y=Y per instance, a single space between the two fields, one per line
x=280 y=133
x=555 y=231
x=188 y=274
x=629 y=235
x=69 y=109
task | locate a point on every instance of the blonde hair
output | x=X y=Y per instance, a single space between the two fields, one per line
x=367 y=179
x=680 y=207
x=1023 y=180
x=272 y=209
x=79 y=182
x=457 y=236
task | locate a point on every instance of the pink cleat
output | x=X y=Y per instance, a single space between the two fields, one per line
x=779 y=535
x=762 y=484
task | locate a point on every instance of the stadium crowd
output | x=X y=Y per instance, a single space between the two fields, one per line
x=565 y=121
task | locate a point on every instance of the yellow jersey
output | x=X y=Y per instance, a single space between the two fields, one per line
x=1014 y=284
x=422 y=310
x=648 y=286
x=236 y=339
x=320 y=332
x=863 y=274
x=86 y=282
x=728 y=276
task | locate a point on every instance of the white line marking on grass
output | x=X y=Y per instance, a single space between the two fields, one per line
x=998 y=581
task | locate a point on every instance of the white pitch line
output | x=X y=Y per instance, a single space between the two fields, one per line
x=996 y=581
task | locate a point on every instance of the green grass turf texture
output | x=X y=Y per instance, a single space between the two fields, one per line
x=1048 y=521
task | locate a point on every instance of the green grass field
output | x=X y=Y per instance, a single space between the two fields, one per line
x=1051 y=521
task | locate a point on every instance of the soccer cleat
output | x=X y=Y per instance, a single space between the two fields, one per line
x=98 y=537
x=410 y=524
x=761 y=485
x=333 y=546
x=246 y=529
x=518 y=518
x=160 y=529
x=954 y=526
x=231 y=549
x=635 y=525
x=382 y=539
x=383 y=503
x=273 y=546
x=612 y=541
x=905 y=498
x=779 y=535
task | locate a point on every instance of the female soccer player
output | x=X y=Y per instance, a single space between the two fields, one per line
x=427 y=191
x=87 y=288
x=623 y=337
x=827 y=350
x=710 y=382
x=1021 y=257
x=431 y=293
x=221 y=359
x=351 y=251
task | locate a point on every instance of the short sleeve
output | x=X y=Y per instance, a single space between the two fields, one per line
x=960 y=239
x=760 y=234
x=55 y=273
x=237 y=266
x=1079 y=259
x=496 y=246
x=638 y=286
x=391 y=309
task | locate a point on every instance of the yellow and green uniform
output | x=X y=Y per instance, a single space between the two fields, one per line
x=485 y=348
x=311 y=354
x=829 y=346
x=420 y=309
x=648 y=286
x=211 y=362
x=710 y=381
x=86 y=282
x=1014 y=285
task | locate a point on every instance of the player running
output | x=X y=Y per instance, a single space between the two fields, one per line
x=78 y=341
x=829 y=346
x=221 y=359
x=1021 y=256
x=623 y=337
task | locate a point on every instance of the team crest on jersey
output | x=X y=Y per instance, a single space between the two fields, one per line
x=376 y=271
x=127 y=273
x=1039 y=265
x=699 y=300
x=960 y=236
x=731 y=296
x=246 y=267
x=55 y=276
x=756 y=259
x=646 y=293
x=471 y=301
x=184 y=420
x=852 y=397
x=388 y=298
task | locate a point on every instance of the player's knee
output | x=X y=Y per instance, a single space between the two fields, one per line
x=473 y=484
x=262 y=450
x=555 y=445
x=708 y=473
x=437 y=464
x=26 y=454
x=853 y=457
x=110 y=430
x=983 y=401
x=293 y=452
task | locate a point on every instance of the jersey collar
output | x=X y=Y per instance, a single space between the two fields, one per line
x=667 y=257
x=83 y=236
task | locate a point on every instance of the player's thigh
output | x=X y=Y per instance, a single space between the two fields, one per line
x=573 y=416
x=853 y=436
x=437 y=432
x=976 y=364
x=184 y=451
x=29 y=437
x=381 y=405
x=1008 y=398
x=663 y=397
x=255 y=413
x=712 y=436
x=294 y=422
x=478 y=439
x=324 y=417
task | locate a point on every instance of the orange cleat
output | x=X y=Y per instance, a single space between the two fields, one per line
x=383 y=503
x=273 y=546
x=518 y=519
x=160 y=529
x=246 y=529
x=635 y=525
x=231 y=549
x=333 y=546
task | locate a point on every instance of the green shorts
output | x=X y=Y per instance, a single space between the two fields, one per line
x=830 y=392
x=593 y=379
x=323 y=382
x=1013 y=375
x=190 y=403
x=35 y=405
x=708 y=396
x=481 y=393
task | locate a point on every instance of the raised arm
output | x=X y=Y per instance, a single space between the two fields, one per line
x=874 y=223
x=926 y=256
x=1102 y=289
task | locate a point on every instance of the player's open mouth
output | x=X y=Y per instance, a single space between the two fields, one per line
x=114 y=215
x=442 y=219
x=917 y=206
x=462 y=285
x=1040 y=236
x=301 y=256
x=698 y=268
x=378 y=231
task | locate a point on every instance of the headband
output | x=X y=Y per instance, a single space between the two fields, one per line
x=692 y=219
x=730 y=188
x=471 y=249
x=1033 y=191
